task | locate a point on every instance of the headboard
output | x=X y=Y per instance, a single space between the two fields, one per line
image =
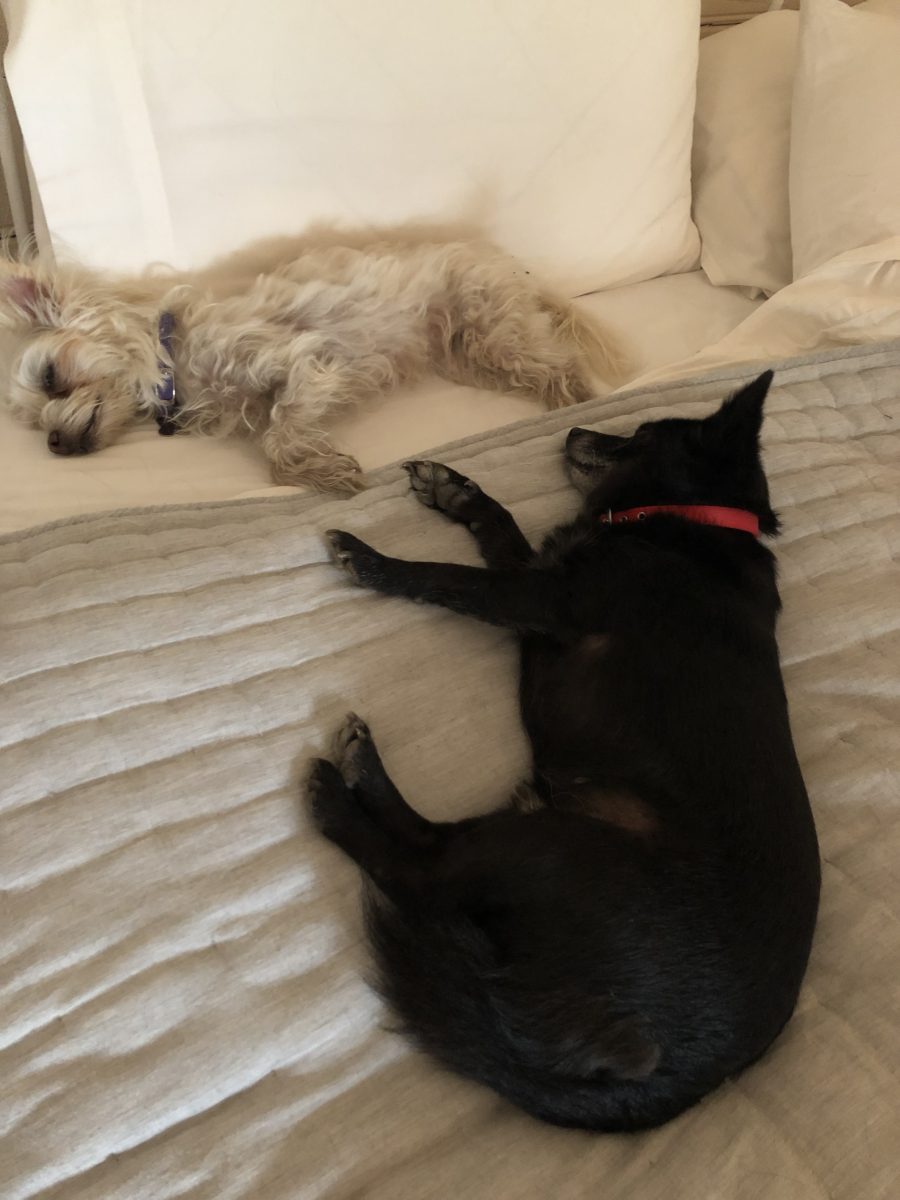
x=716 y=14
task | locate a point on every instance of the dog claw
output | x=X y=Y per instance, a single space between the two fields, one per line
x=352 y=731
x=340 y=554
x=354 y=557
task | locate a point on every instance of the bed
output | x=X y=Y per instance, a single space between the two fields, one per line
x=184 y=1010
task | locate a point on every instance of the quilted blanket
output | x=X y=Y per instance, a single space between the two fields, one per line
x=183 y=1004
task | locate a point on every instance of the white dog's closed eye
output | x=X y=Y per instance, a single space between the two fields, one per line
x=52 y=384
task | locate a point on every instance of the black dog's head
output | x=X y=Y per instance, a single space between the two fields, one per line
x=715 y=460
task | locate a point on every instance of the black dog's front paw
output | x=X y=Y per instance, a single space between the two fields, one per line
x=440 y=487
x=359 y=561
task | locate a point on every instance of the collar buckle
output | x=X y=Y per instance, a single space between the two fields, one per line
x=166 y=395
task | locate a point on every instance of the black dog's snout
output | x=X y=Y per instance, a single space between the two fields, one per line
x=581 y=446
x=591 y=448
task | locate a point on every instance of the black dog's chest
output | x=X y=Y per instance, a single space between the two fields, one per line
x=615 y=583
x=580 y=539
x=658 y=652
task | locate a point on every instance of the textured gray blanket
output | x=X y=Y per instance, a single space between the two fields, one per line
x=182 y=1005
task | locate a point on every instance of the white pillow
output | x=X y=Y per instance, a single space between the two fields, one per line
x=742 y=135
x=174 y=131
x=845 y=152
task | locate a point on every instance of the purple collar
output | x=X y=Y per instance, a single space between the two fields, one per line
x=167 y=412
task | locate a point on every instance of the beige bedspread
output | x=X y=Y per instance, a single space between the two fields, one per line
x=182 y=1007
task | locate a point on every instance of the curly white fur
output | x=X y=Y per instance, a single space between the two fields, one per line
x=273 y=340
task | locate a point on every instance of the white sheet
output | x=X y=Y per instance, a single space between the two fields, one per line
x=659 y=321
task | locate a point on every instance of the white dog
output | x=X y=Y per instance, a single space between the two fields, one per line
x=275 y=339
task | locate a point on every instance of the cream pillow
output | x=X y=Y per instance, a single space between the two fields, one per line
x=742 y=135
x=176 y=130
x=845 y=152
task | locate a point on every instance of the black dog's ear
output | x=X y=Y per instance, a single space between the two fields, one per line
x=739 y=420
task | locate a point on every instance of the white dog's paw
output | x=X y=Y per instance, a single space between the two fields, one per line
x=338 y=474
x=343 y=474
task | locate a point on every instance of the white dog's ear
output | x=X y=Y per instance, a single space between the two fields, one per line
x=24 y=298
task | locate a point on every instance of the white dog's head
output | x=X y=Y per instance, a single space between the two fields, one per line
x=80 y=352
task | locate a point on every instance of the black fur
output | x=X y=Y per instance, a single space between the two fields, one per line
x=634 y=928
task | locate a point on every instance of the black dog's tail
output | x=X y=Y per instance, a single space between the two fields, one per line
x=562 y=1056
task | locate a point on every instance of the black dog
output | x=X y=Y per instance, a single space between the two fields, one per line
x=635 y=927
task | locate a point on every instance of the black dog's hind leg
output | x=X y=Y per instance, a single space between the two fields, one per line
x=499 y=538
x=363 y=772
x=526 y=601
x=357 y=807
x=339 y=817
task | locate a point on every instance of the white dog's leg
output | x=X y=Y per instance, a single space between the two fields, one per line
x=324 y=378
x=301 y=456
x=516 y=358
x=516 y=347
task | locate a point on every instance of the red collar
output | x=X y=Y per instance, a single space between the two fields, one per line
x=703 y=514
